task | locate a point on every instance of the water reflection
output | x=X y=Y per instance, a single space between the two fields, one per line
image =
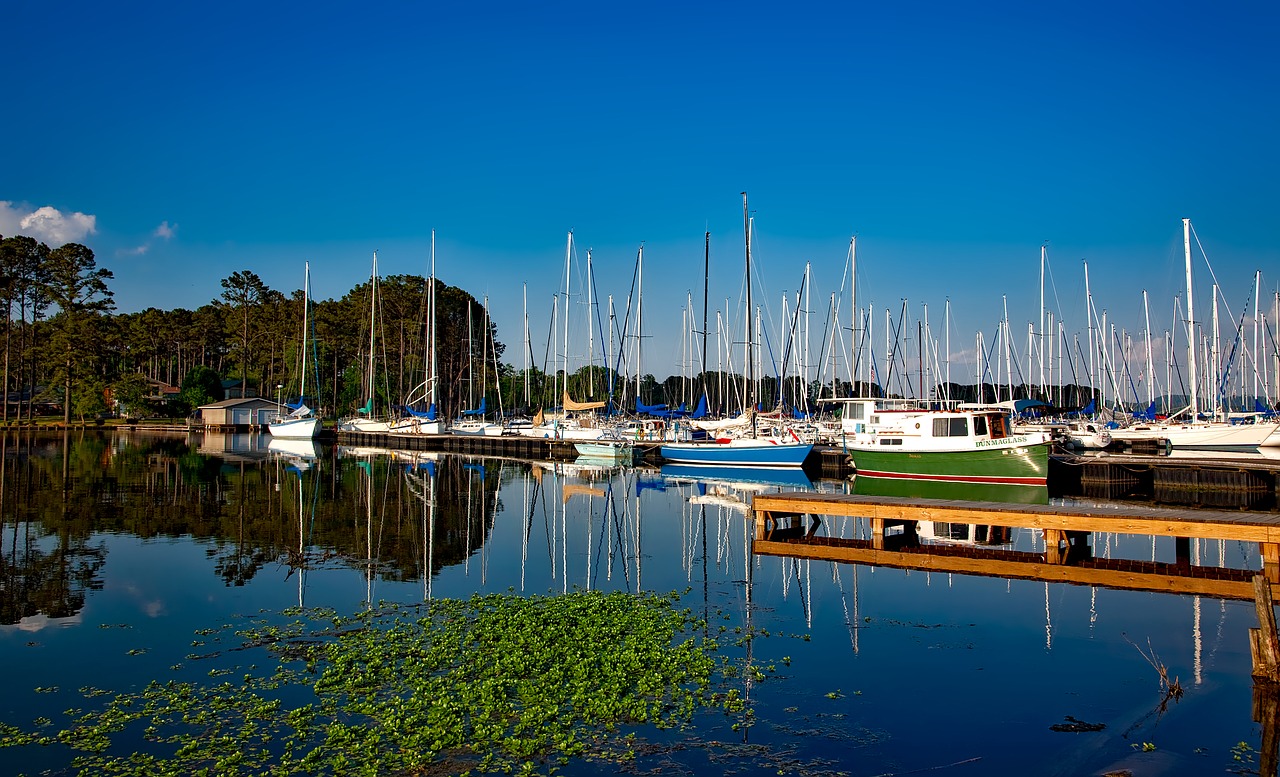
x=93 y=520
x=1008 y=493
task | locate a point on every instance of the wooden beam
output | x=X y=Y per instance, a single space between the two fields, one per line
x=1021 y=570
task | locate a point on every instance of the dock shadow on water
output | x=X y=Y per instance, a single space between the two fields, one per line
x=179 y=603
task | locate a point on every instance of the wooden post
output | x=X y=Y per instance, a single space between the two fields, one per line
x=1182 y=551
x=1266 y=664
x=877 y=533
x=1266 y=711
x=1053 y=540
x=1270 y=561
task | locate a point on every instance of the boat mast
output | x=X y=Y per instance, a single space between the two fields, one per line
x=1088 y=318
x=1191 y=322
x=1151 y=375
x=639 y=313
x=591 y=332
x=525 y=288
x=706 y=274
x=1040 y=332
x=373 y=306
x=568 y=251
x=431 y=313
x=946 y=323
x=854 y=316
x=749 y=375
x=306 y=295
x=1215 y=365
x=1257 y=283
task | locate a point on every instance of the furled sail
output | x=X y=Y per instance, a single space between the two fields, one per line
x=569 y=404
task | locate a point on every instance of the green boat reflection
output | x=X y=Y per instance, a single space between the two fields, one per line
x=1010 y=493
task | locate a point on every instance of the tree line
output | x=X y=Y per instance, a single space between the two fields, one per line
x=66 y=347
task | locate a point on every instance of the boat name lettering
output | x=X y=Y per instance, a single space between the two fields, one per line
x=1002 y=441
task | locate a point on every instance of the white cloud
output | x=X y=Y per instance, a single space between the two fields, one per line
x=57 y=228
x=165 y=231
x=47 y=224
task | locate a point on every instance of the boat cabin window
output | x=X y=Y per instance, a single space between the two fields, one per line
x=856 y=410
x=951 y=427
x=980 y=425
x=998 y=429
x=890 y=440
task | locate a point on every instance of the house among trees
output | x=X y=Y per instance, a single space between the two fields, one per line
x=238 y=389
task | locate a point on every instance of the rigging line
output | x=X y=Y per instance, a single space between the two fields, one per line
x=1230 y=313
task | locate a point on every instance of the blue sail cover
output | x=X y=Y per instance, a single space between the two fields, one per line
x=655 y=410
x=1260 y=407
x=426 y=415
x=1088 y=409
x=701 y=410
x=661 y=411
x=1147 y=415
x=478 y=411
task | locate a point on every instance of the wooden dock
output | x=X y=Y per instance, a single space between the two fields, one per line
x=1065 y=529
x=1207 y=479
x=545 y=448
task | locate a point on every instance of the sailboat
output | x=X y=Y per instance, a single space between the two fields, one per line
x=751 y=450
x=301 y=423
x=1194 y=433
x=425 y=421
x=364 y=420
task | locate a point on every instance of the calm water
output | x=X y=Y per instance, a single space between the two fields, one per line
x=118 y=550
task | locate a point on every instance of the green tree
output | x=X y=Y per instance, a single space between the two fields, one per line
x=200 y=387
x=23 y=263
x=242 y=292
x=130 y=393
x=78 y=287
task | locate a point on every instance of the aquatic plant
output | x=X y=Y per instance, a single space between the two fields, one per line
x=491 y=683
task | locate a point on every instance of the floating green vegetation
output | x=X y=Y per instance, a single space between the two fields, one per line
x=492 y=683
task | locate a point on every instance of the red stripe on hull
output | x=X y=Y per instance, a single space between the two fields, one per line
x=1027 y=481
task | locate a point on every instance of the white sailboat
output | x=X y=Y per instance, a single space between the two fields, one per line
x=301 y=423
x=427 y=421
x=364 y=421
x=1192 y=432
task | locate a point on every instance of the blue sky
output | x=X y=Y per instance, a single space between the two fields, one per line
x=195 y=140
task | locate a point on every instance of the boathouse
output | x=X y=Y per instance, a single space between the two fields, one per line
x=249 y=413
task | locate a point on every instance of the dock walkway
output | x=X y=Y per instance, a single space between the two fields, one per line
x=1062 y=525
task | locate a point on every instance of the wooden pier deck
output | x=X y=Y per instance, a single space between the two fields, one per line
x=1065 y=528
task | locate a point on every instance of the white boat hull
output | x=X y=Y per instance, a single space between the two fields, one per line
x=1204 y=435
x=295 y=428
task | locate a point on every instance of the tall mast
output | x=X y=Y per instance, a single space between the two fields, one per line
x=1151 y=370
x=1257 y=283
x=639 y=313
x=1191 y=322
x=1088 y=318
x=591 y=331
x=749 y=375
x=526 y=344
x=373 y=303
x=431 y=307
x=568 y=251
x=854 y=314
x=306 y=296
x=1040 y=331
x=706 y=274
